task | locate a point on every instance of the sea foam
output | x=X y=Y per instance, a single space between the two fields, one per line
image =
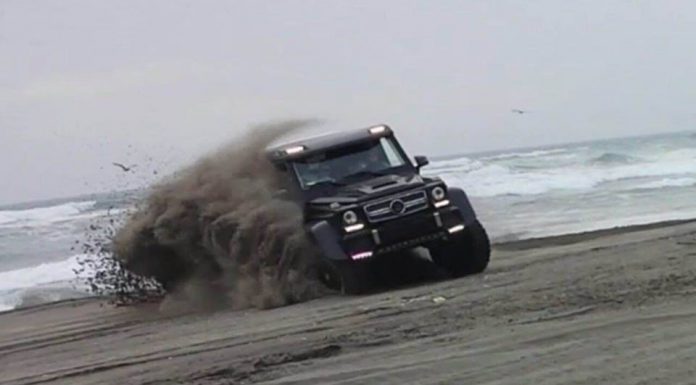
x=53 y=278
x=490 y=177
x=44 y=215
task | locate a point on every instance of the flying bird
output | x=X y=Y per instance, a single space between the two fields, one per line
x=520 y=112
x=123 y=167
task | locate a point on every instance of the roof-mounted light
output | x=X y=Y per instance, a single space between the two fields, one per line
x=377 y=130
x=294 y=150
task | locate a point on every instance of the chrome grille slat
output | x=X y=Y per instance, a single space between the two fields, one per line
x=380 y=210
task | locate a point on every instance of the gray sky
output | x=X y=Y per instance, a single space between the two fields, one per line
x=84 y=83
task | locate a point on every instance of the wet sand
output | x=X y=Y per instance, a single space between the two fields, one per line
x=615 y=306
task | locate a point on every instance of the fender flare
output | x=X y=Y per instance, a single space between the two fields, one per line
x=458 y=197
x=327 y=239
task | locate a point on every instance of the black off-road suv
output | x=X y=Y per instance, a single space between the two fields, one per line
x=363 y=198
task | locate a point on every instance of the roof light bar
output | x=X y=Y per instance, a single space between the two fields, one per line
x=378 y=130
x=294 y=150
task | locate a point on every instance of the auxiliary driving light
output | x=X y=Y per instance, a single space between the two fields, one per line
x=442 y=203
x=354 y=228
x=363 y=255
x=455 y=229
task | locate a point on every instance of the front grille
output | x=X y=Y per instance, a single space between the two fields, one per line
x=396 y=206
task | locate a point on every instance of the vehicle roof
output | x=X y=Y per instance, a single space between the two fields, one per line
x=325 y=142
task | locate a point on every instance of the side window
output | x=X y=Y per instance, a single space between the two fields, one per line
x=392 y=154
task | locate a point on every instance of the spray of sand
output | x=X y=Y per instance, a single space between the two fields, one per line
x=216 y=233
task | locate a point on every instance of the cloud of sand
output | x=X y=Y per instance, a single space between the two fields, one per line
x=218 y=233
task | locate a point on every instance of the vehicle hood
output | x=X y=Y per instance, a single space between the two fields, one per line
x=372 y=188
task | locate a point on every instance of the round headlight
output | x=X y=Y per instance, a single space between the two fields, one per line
x=350 y=217
x=438 y=193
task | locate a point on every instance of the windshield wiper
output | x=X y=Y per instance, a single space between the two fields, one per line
x=328 y=182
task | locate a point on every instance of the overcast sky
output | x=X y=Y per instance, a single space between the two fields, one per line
x=84 y=83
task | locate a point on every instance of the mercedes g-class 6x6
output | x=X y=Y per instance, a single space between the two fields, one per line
x=363 y=198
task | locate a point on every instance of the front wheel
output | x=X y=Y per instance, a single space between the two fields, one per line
x=346 y=277
x=467 y=253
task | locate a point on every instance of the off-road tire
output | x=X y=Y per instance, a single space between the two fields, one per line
x=466 y=253
x=346 y=277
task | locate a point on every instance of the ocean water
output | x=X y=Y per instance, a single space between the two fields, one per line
x=578 y=187
x=518 y=194
x=41 y=245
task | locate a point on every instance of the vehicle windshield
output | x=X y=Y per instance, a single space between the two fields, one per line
x=340 y=166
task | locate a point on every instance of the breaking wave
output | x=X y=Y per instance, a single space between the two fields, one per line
x=667 y=182
x=484 y=177
x=612 y=158
x=44 y=215
x=529 y=154
x=52 y=281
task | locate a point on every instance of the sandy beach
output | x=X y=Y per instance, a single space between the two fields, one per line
x=616 y=306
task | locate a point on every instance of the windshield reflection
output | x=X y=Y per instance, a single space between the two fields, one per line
x=347 y=164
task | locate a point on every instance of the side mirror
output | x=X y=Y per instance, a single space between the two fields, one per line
x=421 y=161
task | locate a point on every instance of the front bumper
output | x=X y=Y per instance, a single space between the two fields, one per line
x=403 y=233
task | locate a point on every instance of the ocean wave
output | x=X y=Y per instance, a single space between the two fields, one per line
x=680 y=154
x=489 y=180
x=461 y=164
x=496 y=180
x=49 y=280
x=528 y=154
x=666 y=182
x=613 y=158
x=45 y=273
x=39 y=295
x=44 y=215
